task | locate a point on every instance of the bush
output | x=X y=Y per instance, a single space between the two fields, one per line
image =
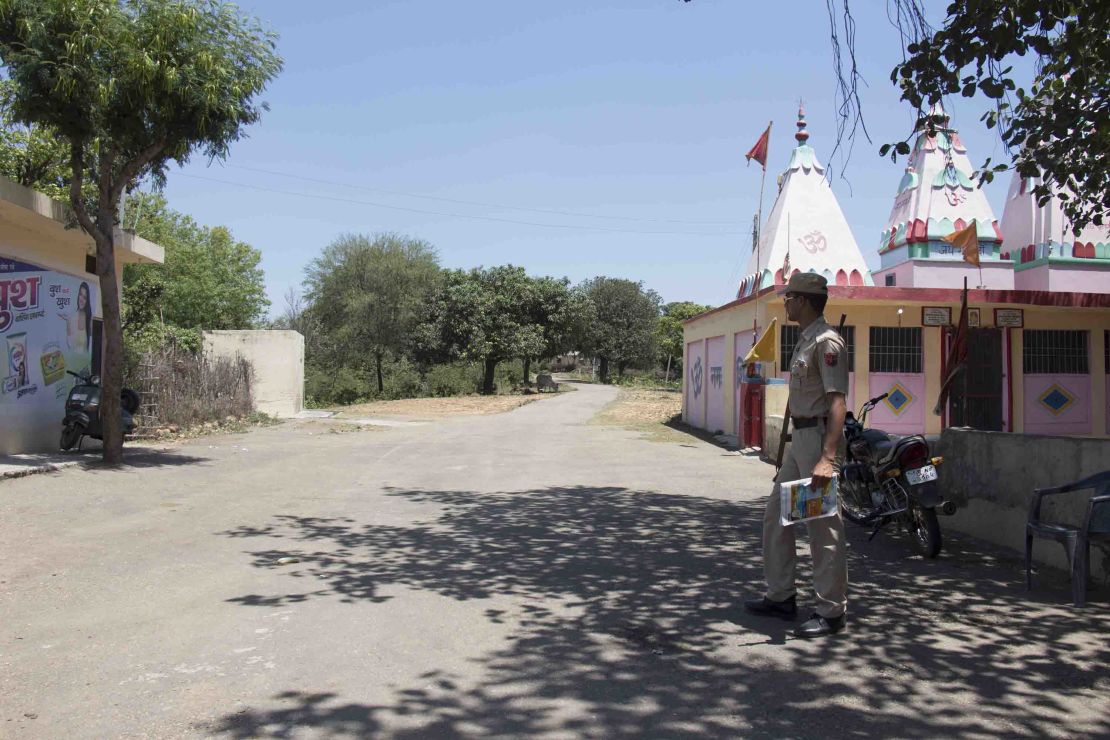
x=454 y=379
x=400 y=380
x=332 y=386
x=184 y=388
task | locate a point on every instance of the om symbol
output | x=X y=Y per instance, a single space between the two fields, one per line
x=696 y=377
x=814 y=242
x=955 y=197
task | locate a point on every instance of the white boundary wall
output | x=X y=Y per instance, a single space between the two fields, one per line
x=278 y=361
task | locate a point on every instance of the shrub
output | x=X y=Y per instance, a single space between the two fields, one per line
x=454 y=379
x=332 y=386
x=183 y=388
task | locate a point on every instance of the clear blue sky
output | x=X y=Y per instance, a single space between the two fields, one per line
x=637 y=111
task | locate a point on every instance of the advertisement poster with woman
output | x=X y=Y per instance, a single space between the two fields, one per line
x=46 y=328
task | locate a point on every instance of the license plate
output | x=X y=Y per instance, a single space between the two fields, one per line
x=80 y=396
x=921 y=475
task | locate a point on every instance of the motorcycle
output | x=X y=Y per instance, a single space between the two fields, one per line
x=82 y=411
x=888 y=479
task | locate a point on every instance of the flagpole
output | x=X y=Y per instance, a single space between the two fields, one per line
x=759 y=214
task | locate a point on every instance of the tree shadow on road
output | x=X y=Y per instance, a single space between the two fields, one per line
x=629 y=625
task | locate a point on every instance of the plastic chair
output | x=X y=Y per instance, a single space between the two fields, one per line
x=1076 y=540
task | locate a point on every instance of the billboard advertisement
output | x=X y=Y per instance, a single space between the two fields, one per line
x=46 y=328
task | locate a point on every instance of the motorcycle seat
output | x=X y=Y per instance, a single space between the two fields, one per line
x=880 y=443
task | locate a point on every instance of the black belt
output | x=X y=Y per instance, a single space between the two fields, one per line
x=805 y=422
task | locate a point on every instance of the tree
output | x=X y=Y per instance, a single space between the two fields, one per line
x=1057 y=126
x=478 y=316
x=208 y=281
x=368 y=294
x=622 y=330
x=557 y=310
x=131 y=86
x=669 y=332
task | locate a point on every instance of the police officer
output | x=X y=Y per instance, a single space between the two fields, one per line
x=818 y=387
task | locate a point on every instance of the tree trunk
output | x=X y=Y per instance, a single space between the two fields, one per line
x=111 y=372
x=668 y=368
x=527 y=367
x=487 y=377
x=378 y=365
x=603 y=371
x=620 y=370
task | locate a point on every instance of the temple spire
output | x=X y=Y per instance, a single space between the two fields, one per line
x=803 y=135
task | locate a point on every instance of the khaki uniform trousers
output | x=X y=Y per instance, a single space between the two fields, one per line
x=827 y=545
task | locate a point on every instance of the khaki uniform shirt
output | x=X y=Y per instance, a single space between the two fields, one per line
x=818 y=366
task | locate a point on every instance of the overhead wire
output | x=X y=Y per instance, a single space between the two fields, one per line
x=526 y=209
x=339 y=199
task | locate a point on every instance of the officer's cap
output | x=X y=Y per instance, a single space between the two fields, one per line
x=806 y=282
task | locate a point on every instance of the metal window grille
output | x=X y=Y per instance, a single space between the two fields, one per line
x=788 y=337
x=895 y=349
x=1055 y=351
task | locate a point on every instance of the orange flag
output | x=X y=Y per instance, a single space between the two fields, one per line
x=759 y=151
x=967 y=241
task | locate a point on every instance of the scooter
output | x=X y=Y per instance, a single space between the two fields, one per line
x=82 y=417
x=891 y=479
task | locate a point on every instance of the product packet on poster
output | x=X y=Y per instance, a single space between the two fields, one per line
x=801 y=502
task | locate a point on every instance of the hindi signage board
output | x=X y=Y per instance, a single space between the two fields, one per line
x=936 y=316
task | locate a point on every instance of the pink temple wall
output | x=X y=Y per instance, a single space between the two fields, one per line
x=1074 y=419
x=1070 y=278
x=742 y=343
x=696 y=382
x=715 y=419
x=911 y=420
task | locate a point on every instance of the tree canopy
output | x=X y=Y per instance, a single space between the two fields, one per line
x=623 y=324
x=483 y=315
x=368 y=294
x=670 y=332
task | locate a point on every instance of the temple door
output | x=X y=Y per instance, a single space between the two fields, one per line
x=976 y=399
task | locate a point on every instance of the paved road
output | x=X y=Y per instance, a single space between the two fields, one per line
x=518 y=575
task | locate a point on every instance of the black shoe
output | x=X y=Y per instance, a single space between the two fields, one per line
x=764 y=607
x=818 y=626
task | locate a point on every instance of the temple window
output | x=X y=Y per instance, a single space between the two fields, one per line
x=788 y=338
x=1055 y=352
x=895 y=349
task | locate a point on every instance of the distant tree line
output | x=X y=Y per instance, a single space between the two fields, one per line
x=381 y=318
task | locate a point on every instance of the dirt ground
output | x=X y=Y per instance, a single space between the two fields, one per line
x=656 y=413
x=436 y=407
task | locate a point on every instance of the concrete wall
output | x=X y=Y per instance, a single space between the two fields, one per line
x=278 y=361
x=991 y=476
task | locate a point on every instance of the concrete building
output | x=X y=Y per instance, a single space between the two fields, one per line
x=1039 y=350
x=50 y=319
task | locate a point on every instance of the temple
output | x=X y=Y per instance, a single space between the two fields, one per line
x=1039 y=306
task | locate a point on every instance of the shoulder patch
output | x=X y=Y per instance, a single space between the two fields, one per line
x=831 y=358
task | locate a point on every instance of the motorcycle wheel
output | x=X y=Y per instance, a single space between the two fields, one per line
x=70 y=435
x=850 y=493
x=924 y=531
x=129 y=400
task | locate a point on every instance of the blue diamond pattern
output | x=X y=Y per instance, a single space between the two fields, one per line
x=898 y=399
x=1056 y=399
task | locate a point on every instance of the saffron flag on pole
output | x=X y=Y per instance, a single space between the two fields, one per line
x=764 y=349
x=759 y=151
x=957 y=355
x=967 y=241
